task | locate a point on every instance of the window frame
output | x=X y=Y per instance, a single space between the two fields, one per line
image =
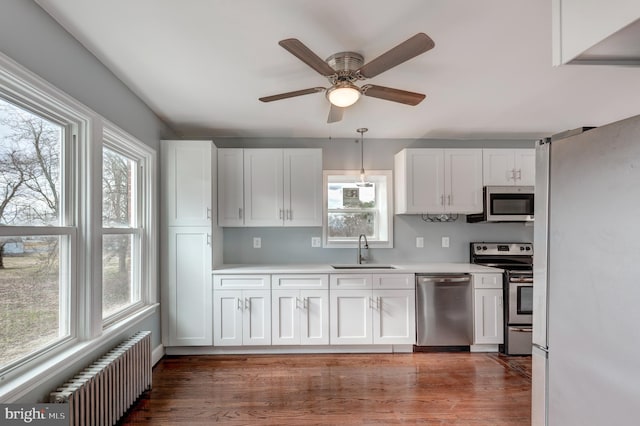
x=124 y=144
x=81 y=215
x=20 y=88
x=380 y=210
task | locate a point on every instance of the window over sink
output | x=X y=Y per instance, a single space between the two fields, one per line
x=355 y=205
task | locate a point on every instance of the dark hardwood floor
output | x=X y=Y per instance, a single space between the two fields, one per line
x=377 y=389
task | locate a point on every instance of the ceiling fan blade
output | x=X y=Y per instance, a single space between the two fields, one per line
x=292 y=94
x=395 y=95
x=302 y=52
x=406 y=50
x=335 y=114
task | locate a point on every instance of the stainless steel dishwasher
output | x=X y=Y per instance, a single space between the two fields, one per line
x=444 y=310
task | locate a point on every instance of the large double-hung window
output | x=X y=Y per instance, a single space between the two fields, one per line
x=126 y=217
x=77 y=225
x=37 y=230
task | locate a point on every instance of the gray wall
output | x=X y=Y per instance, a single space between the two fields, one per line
x=33 y=39
x=293 y=245
x=36 y=41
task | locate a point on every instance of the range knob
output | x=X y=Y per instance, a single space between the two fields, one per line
x=484 y=247
x=521 y=248
x=528 y=248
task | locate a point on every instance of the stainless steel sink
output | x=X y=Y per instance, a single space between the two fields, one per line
x=361 y=266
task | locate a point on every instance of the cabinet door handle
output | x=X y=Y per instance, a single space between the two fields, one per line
x=280 y=216
x=239 y=212
x=500 y=301
x=305 y=303
x=298 y=303
x=442 y=200
x=289 y=214
x=209 y=240
x=513 y=174
x=208 y=213
x=239 y=303
x=247 y=303
x=519 y=174
x=449 y=199
x=379 y=303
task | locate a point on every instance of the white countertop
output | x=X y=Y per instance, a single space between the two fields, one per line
x=417 y=268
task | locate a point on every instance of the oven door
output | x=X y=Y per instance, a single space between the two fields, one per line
x=520 y=303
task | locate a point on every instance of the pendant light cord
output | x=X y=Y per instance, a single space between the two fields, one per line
x=361 y=131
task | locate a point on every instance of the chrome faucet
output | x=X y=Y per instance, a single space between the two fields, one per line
x=366 y=245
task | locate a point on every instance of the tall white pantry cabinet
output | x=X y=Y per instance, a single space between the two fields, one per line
x=187 y=214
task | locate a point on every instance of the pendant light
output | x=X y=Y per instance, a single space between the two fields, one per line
x=362 y=182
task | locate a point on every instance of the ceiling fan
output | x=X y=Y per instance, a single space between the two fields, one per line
x=343 y=69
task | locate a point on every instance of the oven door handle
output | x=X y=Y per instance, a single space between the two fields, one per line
x=522 y=329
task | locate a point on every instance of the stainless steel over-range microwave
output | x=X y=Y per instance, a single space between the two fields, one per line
x=506 y=204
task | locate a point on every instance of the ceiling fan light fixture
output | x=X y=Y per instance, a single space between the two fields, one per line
x=343 y=94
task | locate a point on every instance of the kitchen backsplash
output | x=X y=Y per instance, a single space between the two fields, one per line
x=293 y=245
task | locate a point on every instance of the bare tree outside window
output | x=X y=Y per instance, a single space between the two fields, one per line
x=30 y=196
x=118 y=214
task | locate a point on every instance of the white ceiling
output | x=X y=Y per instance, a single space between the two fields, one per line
x=201 y=65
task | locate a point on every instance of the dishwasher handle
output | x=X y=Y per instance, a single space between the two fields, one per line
x=441 y=279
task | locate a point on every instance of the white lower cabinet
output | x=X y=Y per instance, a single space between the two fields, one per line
x=372 y=309
x=242 y=310
x=189 y=286
x=488 y=314
x=300 y=309
x=300 y=317
x=351 y=317
x=394 y=317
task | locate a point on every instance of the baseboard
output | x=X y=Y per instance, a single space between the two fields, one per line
x=283 y=350
x=157 y=354
x=483 y=348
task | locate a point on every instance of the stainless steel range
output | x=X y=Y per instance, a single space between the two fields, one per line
x=517 y=261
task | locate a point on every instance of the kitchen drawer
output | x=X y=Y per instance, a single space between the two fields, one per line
x=394 y=281
x=350 y=281
x=300 y=281
x=487 y=281
x=249 y=282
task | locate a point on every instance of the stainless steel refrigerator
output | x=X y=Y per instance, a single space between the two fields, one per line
x=586 y=323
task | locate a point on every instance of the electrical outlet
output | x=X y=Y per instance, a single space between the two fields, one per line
x=257 y=242
x=419 y=242
x=315 y=242
x=445 y=242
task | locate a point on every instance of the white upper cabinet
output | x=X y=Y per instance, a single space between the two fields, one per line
x=463 y=180
x=187 y=182
x=303 y=187
x=230 y=187
x=263 y=187
x=438 y=181
x=270 y=187
x=509 y=166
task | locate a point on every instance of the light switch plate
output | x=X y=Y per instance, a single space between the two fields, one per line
x=257 y=242
x=445 y=242
x=419 y=242
x=315 y=242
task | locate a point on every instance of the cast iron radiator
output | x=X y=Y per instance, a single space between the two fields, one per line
x=101 y=393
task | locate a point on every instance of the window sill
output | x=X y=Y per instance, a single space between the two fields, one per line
x=22 y=384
